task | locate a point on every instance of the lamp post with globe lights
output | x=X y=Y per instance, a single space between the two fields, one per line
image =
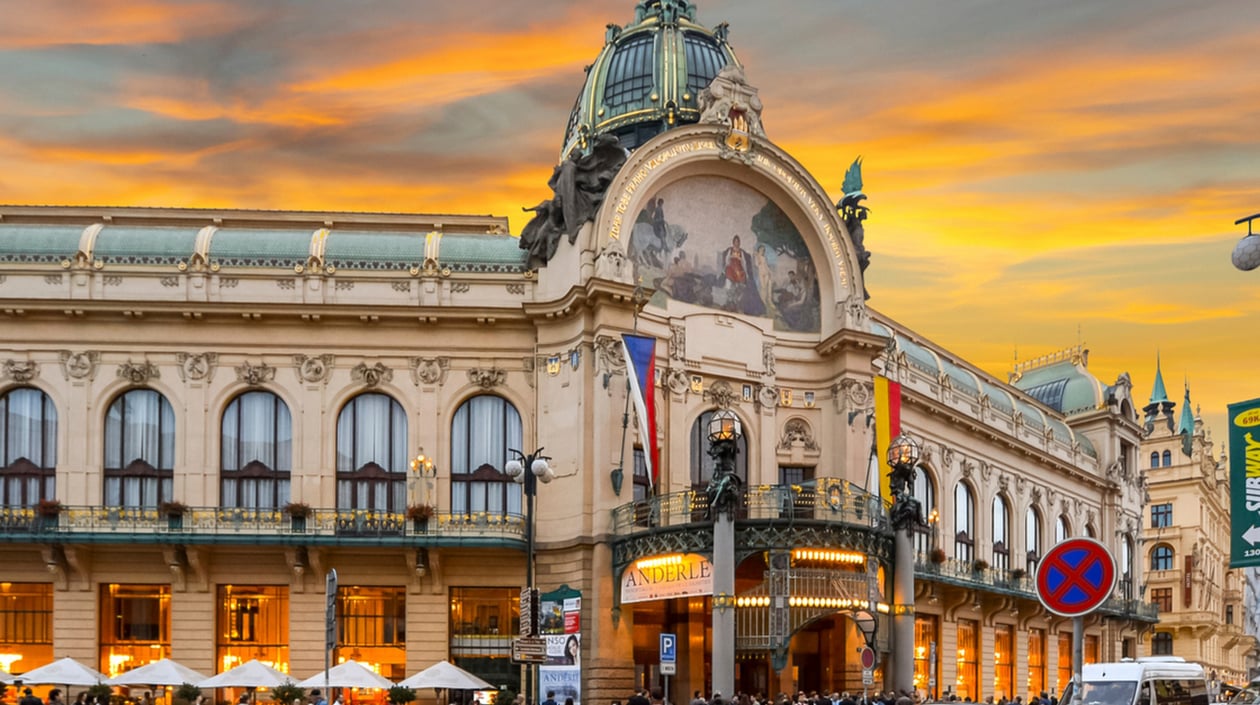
x=1247 y=252
x=724 y=494
x=538 y=470
x=903 y=457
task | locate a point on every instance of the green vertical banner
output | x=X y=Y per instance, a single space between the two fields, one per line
x=1244 y=483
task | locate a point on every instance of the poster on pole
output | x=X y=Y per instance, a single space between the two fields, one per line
x=561 y=625
x=1244 y=483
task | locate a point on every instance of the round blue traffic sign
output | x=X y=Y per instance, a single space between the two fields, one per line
x=1076 y=577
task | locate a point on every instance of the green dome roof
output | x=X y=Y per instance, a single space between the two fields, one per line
x=648 y=76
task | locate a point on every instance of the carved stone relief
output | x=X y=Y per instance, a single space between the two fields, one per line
x=722 y=394
x=313 y=368
x=21 y=370
x=677 y=380
x=611 y=264
x=429 y=370
x=677 y=342
x=767 y=358
x=487 y=377
x=371 y=376
x=138 y=372
x=767 y=397
x=196 y=367
x=81 y=365
x=797 y=431
x=255 y=375
x=608 y=356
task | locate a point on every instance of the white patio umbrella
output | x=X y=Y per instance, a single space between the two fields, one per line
x=445 y=674
x=163 y=672
x=65 y=671
x=251 y=674
x=6 y=677
x=350 y=674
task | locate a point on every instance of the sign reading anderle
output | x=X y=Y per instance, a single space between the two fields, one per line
x=665 y=577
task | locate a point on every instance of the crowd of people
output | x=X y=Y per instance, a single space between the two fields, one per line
x=654 y=697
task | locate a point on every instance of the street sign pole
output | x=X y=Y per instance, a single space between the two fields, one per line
x=330 y=625
x=1078 y=655
x=669 y=659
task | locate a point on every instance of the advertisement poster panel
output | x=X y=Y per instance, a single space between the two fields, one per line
x=561 y=617
x=1244 y=483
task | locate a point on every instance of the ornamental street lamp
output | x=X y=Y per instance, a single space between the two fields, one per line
x=539 y=469
x=423 y=469
x=725 y=494
x=1246 y=254
x=903 y=458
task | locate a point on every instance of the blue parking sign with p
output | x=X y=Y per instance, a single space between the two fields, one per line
x=669 y=648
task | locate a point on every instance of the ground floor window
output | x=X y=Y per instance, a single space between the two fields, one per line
x=1036 y=661
x=252 y=623
x=927 y=632
x=135 y=626
x=483 y=623
x=967 y=683
x=26 y=616
x=1065 y=661
x=1091 y=648
x=373 y=628
x=1003 y=661
x=1161 y=644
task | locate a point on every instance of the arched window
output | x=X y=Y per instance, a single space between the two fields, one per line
x=1032 y=538
x=1167 y=458
x=483 y=430
x=28 y=447
x=1001 y=534
x=139 y=449
x=1090 y=531
x=1062 y=529
x=964 y=524
x=372 y=454
x=702 y=462
x=1162 y=557
x=1161 y=644
x=925 y=491
x=257 y=452
x=1154 y=459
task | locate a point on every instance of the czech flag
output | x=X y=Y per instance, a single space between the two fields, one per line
x=641 y=369
x=887 y=427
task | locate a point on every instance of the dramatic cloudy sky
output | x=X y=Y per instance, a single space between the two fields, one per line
x=1040 y=173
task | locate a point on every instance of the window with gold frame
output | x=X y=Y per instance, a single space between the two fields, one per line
x=1036 y=660
x=483 y=623
x=1065 y=661
x=135 y=626
x=373 y=628
x=967 y=684
x=252 y=623
x=26 y=618
x=1003 y=661
x=926 y=649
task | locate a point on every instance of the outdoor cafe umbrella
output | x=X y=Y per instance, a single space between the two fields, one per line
x=445 y=674
x=163 y=672
x=6 y=677
x=66 y=671
x=350 y=674
x=251 y=674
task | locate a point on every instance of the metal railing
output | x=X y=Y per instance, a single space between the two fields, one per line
x=826 y=499
x=208 y=524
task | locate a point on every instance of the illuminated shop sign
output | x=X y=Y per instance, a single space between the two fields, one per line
x=665 y=577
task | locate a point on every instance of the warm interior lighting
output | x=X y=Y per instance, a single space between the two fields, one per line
x=659 y=560
x=820 y=556
x=7 y=661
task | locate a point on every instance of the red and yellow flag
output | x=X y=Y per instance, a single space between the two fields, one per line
x=887 y=427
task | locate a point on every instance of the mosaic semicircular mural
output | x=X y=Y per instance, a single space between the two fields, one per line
x=717 y=243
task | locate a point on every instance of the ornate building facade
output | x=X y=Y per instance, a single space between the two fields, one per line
x=1203 y=610
x=204 y=411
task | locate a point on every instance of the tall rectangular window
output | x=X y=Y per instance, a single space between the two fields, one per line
x=135 y=626
x=1065 y=661
x=1036 y=660
x=1091 y=648
x=1162 y=597
x=252 y=622
x=373 y=627
x=926 y=653
x=483 y=623
x=1161 y=515
x=1003 y=661
x=968 y=685
x=26 y=617
x=796 y=500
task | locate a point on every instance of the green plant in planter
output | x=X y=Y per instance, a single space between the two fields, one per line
x=980 y=565
x=186 y=694
x=100 y=692
x=400 y=695
x=287 y=692
x=937 y=555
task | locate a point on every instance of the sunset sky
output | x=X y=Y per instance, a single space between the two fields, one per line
x=1040 y=173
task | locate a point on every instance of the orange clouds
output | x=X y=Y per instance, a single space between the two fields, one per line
x=48 y=23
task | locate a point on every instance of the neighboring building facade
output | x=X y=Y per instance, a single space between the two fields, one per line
x=227 y=404
x=1203 y=613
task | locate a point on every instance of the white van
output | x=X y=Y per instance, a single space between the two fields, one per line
x=1153 y=680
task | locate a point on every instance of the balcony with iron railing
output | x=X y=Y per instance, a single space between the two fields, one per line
x=1020 y=584
x=225 y=525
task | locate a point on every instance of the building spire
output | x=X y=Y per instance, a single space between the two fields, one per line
x=1160 y=404
x=1159 y=395
x=1185 y=429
